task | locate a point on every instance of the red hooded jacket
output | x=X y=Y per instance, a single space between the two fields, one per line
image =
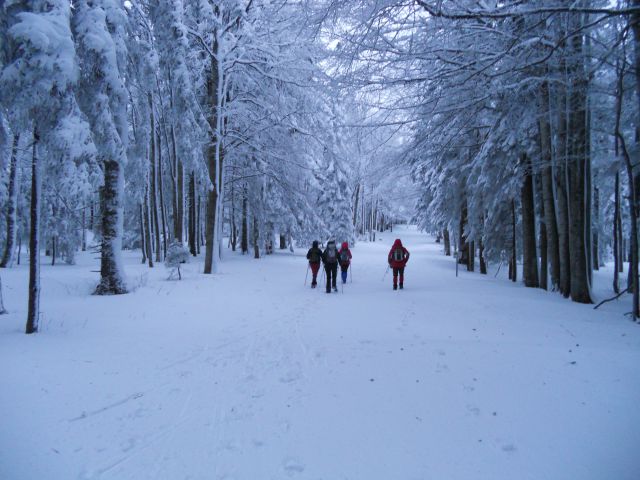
x=397 y=245
x=344 y=248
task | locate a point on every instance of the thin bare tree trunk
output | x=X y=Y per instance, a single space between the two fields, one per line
x=447 y=242
x=616 y=240
x=256 y=238
x=529 y=251
x=153 y=175
x=192 y=214
x=244 y=240
x=147 y=228
x=33 y=312
x=548 y=200
x=163 y=210
x=514 y=257
x=143 y=243
x=12 y=205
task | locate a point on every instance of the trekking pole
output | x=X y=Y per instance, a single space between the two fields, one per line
x=306 y=276
x=385 y=272
x=351 y=272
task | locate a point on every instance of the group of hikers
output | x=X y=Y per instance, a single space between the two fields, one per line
x=332 y=257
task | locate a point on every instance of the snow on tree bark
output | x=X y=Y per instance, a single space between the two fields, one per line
x=12 y=205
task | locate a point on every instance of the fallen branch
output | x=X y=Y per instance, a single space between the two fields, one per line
x=612 y=298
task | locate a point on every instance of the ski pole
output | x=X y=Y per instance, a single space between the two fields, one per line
x=351 y=272
x=385 y=272
x=306 y=276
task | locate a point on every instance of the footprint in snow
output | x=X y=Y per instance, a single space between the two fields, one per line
x=509 y=448
x=289 y=377
x=473 y=410
x=292 y=466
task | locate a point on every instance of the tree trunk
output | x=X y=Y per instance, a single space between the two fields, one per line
x=192 y=214
x=33 y=312
x=178 y=213
x=616 y=241
x=212 y=210
x=578 y=170
x=256 y=238
x=544 y=255
x=283 y=242
x=54 y=250
x=514 y=257
x=529 y=250
x=84 y=229
x=562 y=201
x=19 y=246
x=163 y=210
x=143 y=243
x=471 y=265
x=483 y=263
x=199 y=236
x=180 y=222
x=147 y=228
x=633 y=257
x=111 y=272
x=356 y=198
x=153 y=175
x=634 y=21
x=549 y=204
x=462 y=240
x=447 y=242
x=233 y=238
x=12 y=205
x=244 y=240
x=596 y=228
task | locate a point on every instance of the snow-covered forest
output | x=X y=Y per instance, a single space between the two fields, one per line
x=166 y=164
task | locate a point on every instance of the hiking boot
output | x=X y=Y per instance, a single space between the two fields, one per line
x=335 y=289
x=401 y=287
x=395 y=287
x=328 y=291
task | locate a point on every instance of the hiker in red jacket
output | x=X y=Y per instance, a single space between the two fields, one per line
x=398 y=258
x=314 y=255
x=344 y=257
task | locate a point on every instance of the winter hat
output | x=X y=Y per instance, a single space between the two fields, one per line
x=315 y=244
x=397 y=243
x=345 y=245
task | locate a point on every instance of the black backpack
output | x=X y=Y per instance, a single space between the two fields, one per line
x=330 y=254
x=344 y=256
x=398 y=255
x=314 y=255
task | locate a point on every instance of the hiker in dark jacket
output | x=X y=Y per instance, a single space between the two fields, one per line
x=314 y=255
x=344 y=257
x=398 y=258
x=330 y=260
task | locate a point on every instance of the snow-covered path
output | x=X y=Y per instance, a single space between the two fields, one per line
x=249 y=375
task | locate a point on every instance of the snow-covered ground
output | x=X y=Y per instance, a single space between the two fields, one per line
x=250 y=375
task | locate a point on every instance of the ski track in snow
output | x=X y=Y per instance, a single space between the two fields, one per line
x=249 y=375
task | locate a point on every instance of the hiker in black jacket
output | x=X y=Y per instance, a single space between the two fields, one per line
x=330 y=260
x=314 y=255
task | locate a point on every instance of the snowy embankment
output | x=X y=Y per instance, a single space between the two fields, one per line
x=249 y=375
